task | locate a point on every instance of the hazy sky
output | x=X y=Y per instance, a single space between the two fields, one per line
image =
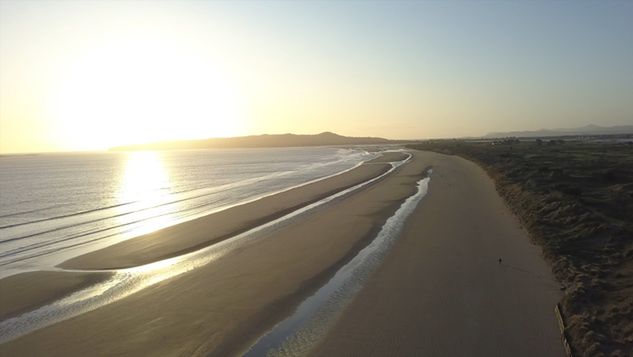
x=83 y=75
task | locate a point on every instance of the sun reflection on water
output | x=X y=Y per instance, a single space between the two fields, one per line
x=145 y=190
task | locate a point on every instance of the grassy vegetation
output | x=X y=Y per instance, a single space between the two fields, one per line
x=576 y=200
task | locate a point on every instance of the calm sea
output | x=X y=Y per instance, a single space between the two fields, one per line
x=54 y=206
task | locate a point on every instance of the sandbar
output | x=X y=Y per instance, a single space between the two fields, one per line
x=198 y=233
x=389 y=157
x=23 y=292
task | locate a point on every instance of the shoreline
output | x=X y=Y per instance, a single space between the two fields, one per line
x=317 y=313
x=126 y=282
x=574 y=198
x=204 y=231
x=443 y=291
x=223 y=307
x=27 y=291
x=213 y=308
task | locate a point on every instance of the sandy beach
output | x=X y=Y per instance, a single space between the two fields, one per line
x=441 y=290
x=26 y=291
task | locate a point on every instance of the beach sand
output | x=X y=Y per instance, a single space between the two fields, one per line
x=441 y=289
x=23 y=292
x=389 y=157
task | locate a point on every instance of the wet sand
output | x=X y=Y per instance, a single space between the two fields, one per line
x=26 y=291
x=198 y=233
x=223 y=307
x=442 y=291
x=389 y=157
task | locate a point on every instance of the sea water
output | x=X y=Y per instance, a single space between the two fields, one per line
x=55 y=206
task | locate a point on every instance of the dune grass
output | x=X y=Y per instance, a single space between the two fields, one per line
x=576 y=200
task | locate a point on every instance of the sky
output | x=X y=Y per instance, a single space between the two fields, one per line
x=88 y=75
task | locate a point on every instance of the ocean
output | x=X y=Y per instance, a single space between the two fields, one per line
x=56 y=206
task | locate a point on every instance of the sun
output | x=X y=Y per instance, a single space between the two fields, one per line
x=138 y=91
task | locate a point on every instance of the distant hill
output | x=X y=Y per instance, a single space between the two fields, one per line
x=581 y=131
x=255 y=141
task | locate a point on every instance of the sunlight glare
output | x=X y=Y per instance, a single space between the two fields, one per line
x=144 y=177
x=141 y=90
x=145 y=184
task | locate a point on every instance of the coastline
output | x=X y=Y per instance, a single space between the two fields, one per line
x=26 y=291
x=222 y=308
x=225 y=305
x=198 y=233
x=30 y=290
x=442 y=290
x=574 y=197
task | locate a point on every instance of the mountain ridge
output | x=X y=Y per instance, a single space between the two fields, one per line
x=590 y=129
x=256 y=141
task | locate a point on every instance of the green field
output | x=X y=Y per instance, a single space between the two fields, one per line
x=576 y=200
